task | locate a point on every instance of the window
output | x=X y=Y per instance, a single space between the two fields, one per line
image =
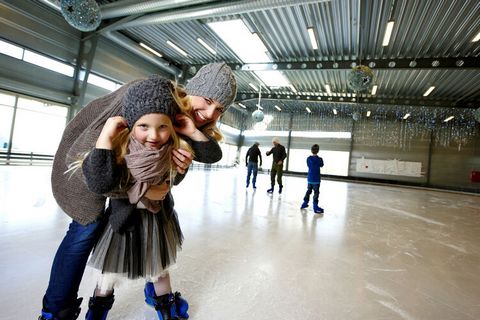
x=38 y=126
x=7 y=102
x=11 y=50
x=229 y=152
x=101 y=82
x=46 y=62
x=40 y=60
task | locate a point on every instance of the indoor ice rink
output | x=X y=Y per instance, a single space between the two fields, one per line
x=388 y=89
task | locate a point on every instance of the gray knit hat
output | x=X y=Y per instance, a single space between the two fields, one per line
x=152 y=95
x=214 y=81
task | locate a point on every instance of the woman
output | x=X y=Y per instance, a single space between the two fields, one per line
x=212 y=90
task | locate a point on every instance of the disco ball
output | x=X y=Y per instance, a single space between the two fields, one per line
x=258 y=115
x=83 y=15
x=360 y=78
x=477 y=114
x=356 y=116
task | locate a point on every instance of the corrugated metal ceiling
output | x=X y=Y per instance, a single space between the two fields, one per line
x=350 y=30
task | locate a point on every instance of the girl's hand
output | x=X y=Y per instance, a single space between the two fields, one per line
x=113 y=126
x=158 y=192
x=182 y=160
x=186 y=127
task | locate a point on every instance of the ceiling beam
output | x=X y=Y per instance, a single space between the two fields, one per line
x=391 y=64
x=245 y=96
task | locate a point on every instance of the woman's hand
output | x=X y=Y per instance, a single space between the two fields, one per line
x=158 y=192
x=182 y=160
x=113 y=126
x=186 y=127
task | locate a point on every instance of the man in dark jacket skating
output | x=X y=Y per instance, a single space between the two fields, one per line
x=279 y=154
x=251 y=160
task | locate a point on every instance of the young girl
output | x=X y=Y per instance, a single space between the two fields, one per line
x=131 y=162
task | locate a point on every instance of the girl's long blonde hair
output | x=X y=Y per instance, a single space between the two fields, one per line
x=121 y=141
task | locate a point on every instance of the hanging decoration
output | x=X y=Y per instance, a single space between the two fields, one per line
x=258 y=115
x=477 y=115
x=360 y=78
x=83 y=15
x=356 y=116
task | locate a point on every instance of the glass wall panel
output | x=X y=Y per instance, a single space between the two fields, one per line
x=229 y=154
x=335 y=162
x=6 y=114
x=38 y=126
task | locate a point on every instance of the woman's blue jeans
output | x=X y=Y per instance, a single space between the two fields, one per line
x=252 y=167
x=69 y=264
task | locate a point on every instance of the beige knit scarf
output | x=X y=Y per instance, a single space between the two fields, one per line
x=148 y=167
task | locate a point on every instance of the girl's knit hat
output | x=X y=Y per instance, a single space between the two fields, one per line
x=214 y=81
x=152 y=95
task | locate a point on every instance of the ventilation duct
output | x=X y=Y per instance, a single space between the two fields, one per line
x=212 y=11
x=127 y=8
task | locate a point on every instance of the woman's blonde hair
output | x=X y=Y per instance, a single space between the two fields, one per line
x=210 y=129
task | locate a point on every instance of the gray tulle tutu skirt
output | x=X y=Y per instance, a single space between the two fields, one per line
x=146 y=250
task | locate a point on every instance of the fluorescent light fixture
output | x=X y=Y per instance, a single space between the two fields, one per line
x=150 y=49
x=327 y=87
x=308 y=109
x=174 y=46
x=293 y=88
x=374 y=90
x=273 y=78
x=11 y=50
x=477 y=37
x=48 y=63
x=405 y=117
x=249 y=48
x=334 y=111
x=278 y=108
x=368 y=113
x=258 y=42
x=203 y=43
x=242 y=105
x=239 y=38
x=448 y=119
x=259 y=106
x=313 y=41
x=253 y=86
x=388 y=33
x=428 y=91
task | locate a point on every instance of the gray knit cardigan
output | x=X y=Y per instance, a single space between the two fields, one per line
x=70 y=190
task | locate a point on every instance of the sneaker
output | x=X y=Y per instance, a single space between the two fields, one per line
x=270 y=190
x=304 y=205
x=280 y=190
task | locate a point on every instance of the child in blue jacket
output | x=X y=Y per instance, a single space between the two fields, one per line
x=314 y=163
